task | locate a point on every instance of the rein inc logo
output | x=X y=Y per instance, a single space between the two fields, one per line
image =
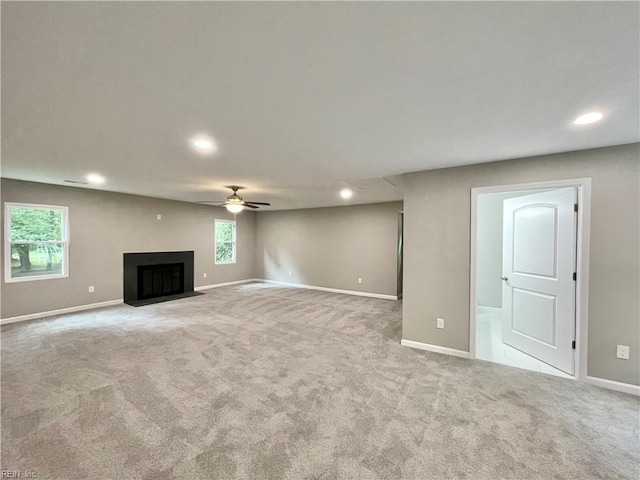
x=17 y=474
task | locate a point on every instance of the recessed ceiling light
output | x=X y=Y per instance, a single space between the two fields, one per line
x=203 y=144
x=95 y=178
x=346 y=193
x=588 y=118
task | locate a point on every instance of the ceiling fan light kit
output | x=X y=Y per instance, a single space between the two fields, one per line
x=234 y=208
x=235 y=203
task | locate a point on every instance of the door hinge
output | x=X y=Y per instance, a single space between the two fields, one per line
x=575 y=276
x=575 y=207
x=573 y=345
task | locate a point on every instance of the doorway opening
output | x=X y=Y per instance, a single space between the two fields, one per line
x=529 y=276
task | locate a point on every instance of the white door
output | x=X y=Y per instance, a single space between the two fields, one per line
x=538 y=265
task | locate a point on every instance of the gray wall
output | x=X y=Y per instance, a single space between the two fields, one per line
x=437 y=210
x=331 y=247
x=105 y=225
x=489 y=245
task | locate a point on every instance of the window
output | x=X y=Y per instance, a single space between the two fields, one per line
x=225 y=241
x=36 y=242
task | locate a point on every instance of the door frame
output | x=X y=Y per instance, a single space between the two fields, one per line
x=583 y=186
x=400 y=256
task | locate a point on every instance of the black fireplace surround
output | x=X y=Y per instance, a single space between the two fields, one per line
x=157 y=276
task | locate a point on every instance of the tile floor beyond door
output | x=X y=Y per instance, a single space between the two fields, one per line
x=491 y=348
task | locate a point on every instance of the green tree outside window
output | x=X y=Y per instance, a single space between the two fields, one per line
x=37 y=241
x=225 y=232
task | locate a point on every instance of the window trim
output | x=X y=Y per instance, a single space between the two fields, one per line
x=215 y=243
x=7 y=241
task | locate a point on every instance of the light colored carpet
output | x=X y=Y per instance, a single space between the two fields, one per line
x=257 y=381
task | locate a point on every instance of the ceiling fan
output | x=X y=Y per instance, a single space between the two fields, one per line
x=234 y=202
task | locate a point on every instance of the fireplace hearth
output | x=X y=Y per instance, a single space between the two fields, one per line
x=153 y=277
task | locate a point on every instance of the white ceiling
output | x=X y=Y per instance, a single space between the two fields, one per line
x=303 y=96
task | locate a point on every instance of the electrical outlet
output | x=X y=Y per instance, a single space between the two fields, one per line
x=622 y=352
x=440 y=322
x=159 y=217
x=359 y=280
x=204 y=275
x=289 y=273
x=92 y=289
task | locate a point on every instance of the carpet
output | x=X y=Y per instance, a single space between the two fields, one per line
x=265 y=382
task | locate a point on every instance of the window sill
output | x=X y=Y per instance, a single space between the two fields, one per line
x=35 y=278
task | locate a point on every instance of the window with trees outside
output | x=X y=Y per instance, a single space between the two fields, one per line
x=225 y=241
x=36 y=242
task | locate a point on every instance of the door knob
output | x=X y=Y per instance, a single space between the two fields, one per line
x=504 y=278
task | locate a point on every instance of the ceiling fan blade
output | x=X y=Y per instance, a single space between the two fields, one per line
x=245 y=204
x=259 y=203
x=211 y=201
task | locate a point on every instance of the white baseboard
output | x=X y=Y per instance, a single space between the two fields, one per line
x=434 y=348
x=326 y=289
x=612 y=385
x=60 y=311
x=226 y=284
x=489 y=310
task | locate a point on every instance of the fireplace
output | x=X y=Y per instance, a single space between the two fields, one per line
x=159 y=280
x=153 y=277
